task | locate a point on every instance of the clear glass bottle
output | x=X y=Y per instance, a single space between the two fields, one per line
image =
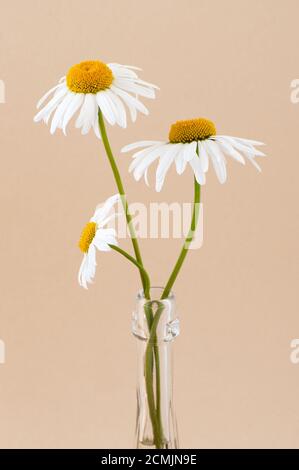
x=155 y=325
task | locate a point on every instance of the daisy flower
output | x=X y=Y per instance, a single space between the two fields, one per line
x=96 y=235
x=192 y=142
x=93 y=85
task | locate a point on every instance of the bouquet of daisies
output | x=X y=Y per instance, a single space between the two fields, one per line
x=95 y=93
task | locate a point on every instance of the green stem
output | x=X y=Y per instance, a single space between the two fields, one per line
x=121 y=191
x=155 y=412
x=155 y=416
x=187 y=242
x=158 y=388
x=156 y=419
x=141 y=269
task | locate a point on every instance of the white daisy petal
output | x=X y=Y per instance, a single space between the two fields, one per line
x=88 y=114
x=151 y=85
x=90 y=266
x=114 y=108
x=120 y=111
x=237 y=144
x=130 y=101
x=81 y=279
x=105 y=236
x=90 y=111
x=96 y=128
x=125 y=67
x=86 y=273
x=246 y=148
x=165 y=162
x=59 y=112
x=72 y=109
x=180 y=162
x=105 y=106
x=217 y=159
x=141 y=165
x=229 y=149
x=141 y=143
x=46 y=95
x=132 y=67
x=146 y=178
x=86 y=127
x=47 y=117
x=255 y=143
x=123 y=72
x=253 y=162
x=139 y=157
x=189 y=150
x=253 y=151
x=102 y=245
x=126 y=98
x=129 y=85
x=204 y=158
x=82 y=115
x=197 y=169
x=108 y=219
x=103 y=232
x=51 y=105
x=142 y=155
x=103 y=210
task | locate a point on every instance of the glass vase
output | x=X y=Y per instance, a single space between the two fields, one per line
x=155 y=325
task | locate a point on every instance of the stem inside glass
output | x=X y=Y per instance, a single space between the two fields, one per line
x=155 y=324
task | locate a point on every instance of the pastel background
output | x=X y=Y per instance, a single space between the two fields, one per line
x=69 y=376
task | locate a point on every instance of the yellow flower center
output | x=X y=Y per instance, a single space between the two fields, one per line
x=190 y=130
x=90 y=76
x=87 y=236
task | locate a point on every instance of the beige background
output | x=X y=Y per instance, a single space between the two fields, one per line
x=69 y=377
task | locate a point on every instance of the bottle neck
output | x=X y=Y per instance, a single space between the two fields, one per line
x=155 y=320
